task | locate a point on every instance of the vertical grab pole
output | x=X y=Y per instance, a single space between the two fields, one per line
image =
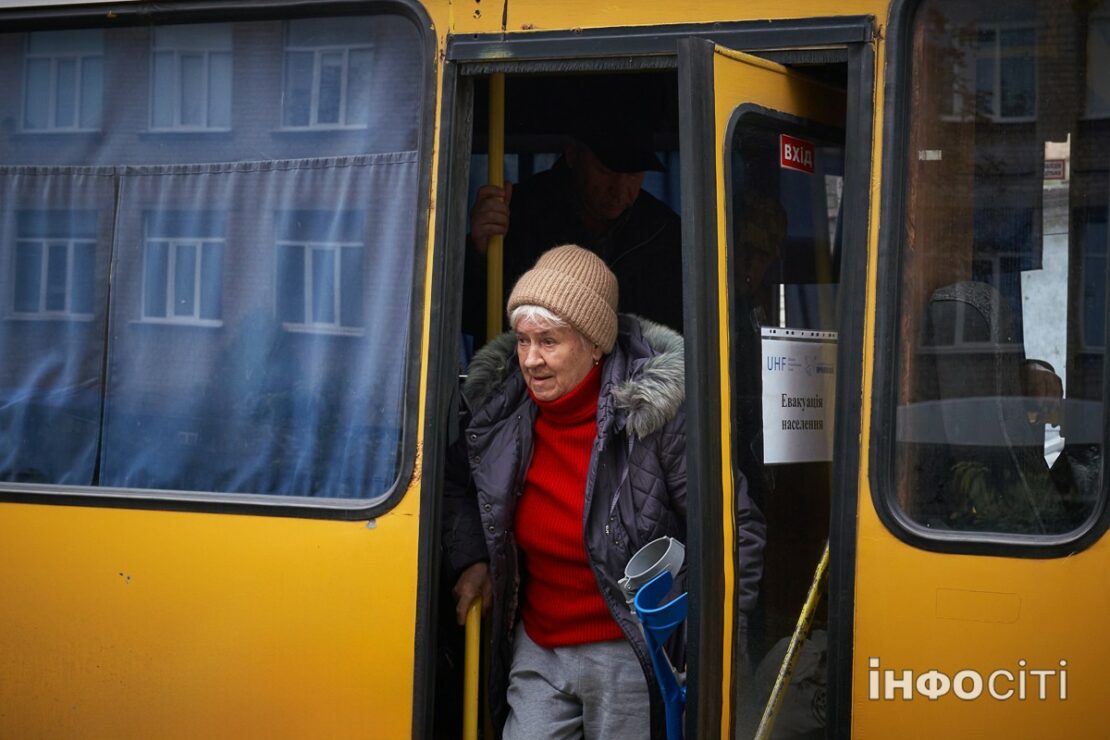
x=470 y=670
x=495 y=289
x=794 y=649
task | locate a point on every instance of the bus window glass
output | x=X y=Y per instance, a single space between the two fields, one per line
x=785 y=185
x=1002 y=325
x=251 y=189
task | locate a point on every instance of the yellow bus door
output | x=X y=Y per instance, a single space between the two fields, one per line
x=763 y=171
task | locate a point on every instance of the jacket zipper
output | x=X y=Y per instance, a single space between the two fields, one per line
x=620 y=489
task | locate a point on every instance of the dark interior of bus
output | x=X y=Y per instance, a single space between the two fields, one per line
x=784 y=257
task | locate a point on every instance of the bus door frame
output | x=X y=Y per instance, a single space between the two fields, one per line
x=847 y=39
x=696 y=87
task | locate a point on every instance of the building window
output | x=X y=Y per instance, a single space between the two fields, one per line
x=63 y=81
x=319 y=281
x=1098 y=66
x=1093 y=235
x=327 y=73
x=191 y=78
x=995 y=73
x=997 y=430
x=54 y=270
x=183 y=267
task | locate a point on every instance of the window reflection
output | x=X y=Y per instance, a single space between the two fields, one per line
x=320 y=270
x=327 y=73
x=209 y=287
x=63 y=81
x=182 y=266
x=191 y=77
x=53 y=256
x=999 y=424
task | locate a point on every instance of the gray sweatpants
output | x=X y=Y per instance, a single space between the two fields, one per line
x=595 y=691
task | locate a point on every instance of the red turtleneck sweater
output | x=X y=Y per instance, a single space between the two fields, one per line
x=562 y=603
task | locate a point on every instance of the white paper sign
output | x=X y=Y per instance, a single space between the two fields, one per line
x=799 y=387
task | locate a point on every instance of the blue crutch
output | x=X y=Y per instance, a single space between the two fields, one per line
x=659 y=622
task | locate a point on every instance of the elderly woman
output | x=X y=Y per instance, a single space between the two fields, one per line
x=576 y=456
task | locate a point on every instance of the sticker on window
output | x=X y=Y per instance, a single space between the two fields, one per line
x=796 y=154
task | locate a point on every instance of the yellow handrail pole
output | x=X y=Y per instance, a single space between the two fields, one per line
x=470 y=670
x=495 y=290
x=793 y=650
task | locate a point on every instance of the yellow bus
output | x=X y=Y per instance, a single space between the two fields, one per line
x=233 y=249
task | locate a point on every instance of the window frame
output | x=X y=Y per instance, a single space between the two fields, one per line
x=87 y=15
x=1100 y=17
x=52 y=126
x=176 y=53
x=314 y=98
x=1102 y=257
x=43 y=313
x=883 y=445
x=967 y=73
x=173 y=243
x=309 y=326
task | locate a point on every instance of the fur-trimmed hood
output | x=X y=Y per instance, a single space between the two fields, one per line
x=643 y=379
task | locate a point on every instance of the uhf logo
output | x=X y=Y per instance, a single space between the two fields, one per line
x=967 y=685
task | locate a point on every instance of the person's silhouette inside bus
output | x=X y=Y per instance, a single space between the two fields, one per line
x=592 y=196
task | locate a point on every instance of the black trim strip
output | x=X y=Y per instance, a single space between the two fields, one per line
x=888 y=308
x=108 y=15
x=698 y=152
x=849 y=390
x=800 y=57
x=446 y=313
x=565 y=66
x=651 y=40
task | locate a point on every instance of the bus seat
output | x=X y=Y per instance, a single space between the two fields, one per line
x=983 y=464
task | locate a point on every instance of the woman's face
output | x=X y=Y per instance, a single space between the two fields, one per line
x=553 y=359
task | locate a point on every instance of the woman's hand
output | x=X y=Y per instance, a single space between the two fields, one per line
x=473 y=583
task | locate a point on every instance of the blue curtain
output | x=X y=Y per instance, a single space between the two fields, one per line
x=214 y=302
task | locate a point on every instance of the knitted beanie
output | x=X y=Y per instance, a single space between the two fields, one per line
x=577 y=286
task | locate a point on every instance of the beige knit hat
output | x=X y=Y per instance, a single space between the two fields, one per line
x=578 y=287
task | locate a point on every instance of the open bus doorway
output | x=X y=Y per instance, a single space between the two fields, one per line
x=789 y=286
x=548 y=120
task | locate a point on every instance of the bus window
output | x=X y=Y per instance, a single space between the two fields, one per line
x=208 y=232
x=1004 y=271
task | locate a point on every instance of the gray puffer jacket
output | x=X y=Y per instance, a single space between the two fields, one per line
x=635 y=487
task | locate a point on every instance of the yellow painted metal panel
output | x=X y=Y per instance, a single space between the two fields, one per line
x=140 y=624
x=1041 y=611
x=485 y=16
x=1054 y=610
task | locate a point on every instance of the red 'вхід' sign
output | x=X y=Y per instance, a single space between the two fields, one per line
x=796 y=154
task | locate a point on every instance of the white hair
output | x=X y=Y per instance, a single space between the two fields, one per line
x=545 y=319
x=538 y=315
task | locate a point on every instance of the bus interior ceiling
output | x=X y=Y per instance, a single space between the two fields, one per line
x=541 y=110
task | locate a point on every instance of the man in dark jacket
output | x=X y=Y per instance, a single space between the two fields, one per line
x=591 y=197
